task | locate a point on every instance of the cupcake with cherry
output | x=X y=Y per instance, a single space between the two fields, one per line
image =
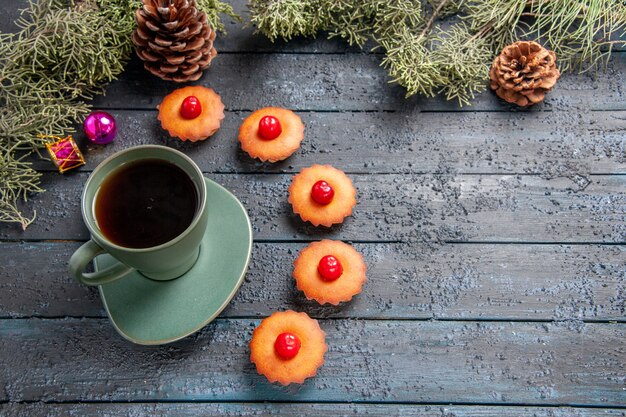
x=329 y=271
x=322 y=195
x=271 y=134
x=288 y=347
x=191 y=113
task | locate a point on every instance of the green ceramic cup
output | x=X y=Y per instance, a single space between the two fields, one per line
x=163 y=262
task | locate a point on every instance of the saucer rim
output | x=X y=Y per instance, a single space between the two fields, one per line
x=227 y=300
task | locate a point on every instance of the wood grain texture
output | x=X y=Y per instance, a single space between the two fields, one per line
x=288 y=409
x=569 y=284
x=374 y=361
x=549 y=144
x=395 y=207
x=346 y=82
x=418 y=166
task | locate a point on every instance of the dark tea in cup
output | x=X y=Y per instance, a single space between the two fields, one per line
x=146 y=207
x=145 y=203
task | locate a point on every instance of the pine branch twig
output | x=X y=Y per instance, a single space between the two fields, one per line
x=432 y=19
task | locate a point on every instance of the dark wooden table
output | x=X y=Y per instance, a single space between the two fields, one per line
x=494 y=239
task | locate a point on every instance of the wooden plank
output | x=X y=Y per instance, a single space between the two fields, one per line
x=373 y=361
x=544 y=143
x=395 y=207
x=505 y=282
x=331 y=82
x=289 y=409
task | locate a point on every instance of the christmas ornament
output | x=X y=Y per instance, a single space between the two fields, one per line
x=523 y=73
x=64 y=153
x=173 y=39
x=100 y=127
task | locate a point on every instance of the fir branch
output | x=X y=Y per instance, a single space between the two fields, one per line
x=450 y=8
x=464 y=61
x=428 y=26
x=426 y=59
x=351 y=21
x=17 y=180
x=61 y=57
x=503 y=17
x=410 y=64
x=286 y=18
x=578 y=32
x=63 y=54
x=213 y=10
x=375 y=19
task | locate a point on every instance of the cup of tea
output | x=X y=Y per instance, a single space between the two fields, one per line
x=145 y=206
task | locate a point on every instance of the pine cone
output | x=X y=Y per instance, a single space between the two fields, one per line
x=173 y=39
x=523 y=73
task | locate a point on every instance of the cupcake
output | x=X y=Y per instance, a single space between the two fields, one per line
x=271 y=134
x=191 y=113
x=322 y=195
x=329 y=271
x=288 y=347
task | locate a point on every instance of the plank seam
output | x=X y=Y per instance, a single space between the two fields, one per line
x=313 y=53
x=421 y=403
x=242 y=110
x=418 y=109
x=416 y=173
x=360 y=242
x=505 y=242
x=617 y=321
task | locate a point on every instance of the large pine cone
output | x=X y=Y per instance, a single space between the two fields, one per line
x=523 y=73
x=173 y=39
